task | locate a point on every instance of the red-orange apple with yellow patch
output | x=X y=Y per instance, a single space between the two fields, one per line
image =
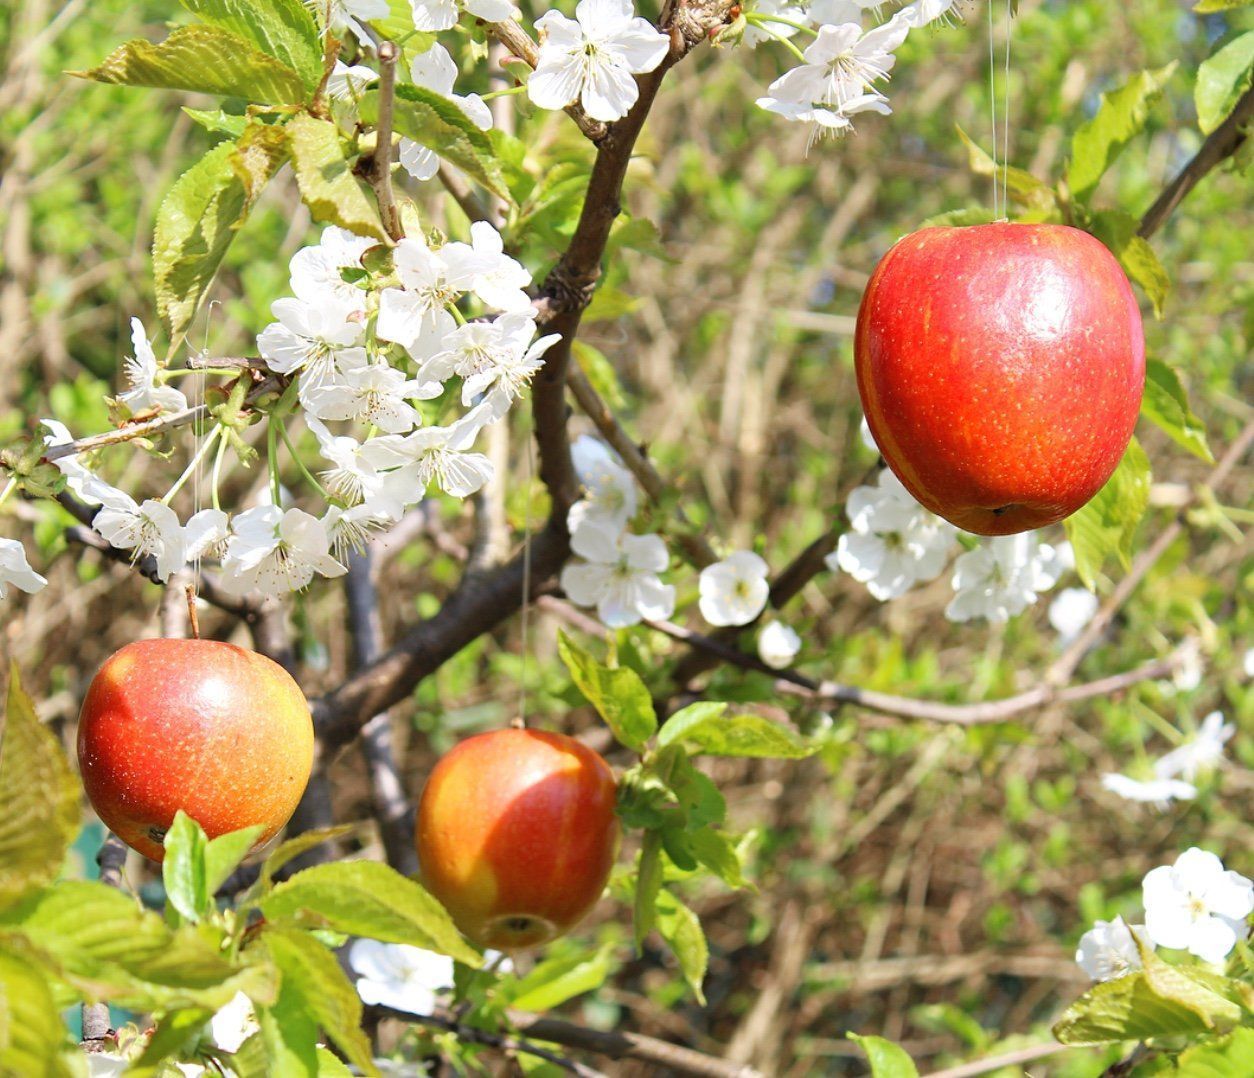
x=516 y=835
x=1001 y=368
x=220 y=732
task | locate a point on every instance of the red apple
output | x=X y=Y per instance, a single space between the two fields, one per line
x=222 y=733
x=517 y=835
x=1001 y=369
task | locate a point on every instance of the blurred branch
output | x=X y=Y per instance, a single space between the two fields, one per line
x=462 y=194
x=96 y=1029
x=1008 y=1059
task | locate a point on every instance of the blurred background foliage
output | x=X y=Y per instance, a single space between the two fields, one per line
x=924 y=883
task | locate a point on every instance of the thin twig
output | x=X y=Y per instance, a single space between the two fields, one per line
x=1008 y=1059
x=381 y=170
x=462 y=194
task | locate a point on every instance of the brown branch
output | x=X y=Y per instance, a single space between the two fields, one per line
x=97 y=1032
x=1220 y=144
x=460 y=190
x=381 y=164
x=1007 y=1059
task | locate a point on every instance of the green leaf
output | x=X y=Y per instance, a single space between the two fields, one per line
x=1206 y=7
x=1178 y=986
x=294 y=847
x=1020 y=184
x=432 y=120
x=312 y=975
x=172 y=1037
x=1166 y=404
x=1107 y=525
x=325 y=179
x=1120 y=118
x=33 y=1042
x=224 y=854
x=183 y=869
x=1127 y=1009
x=648 y=885
x=205 y=59
x=282 y=29
x=717 y=852
x=681 y=928
x=1227 y=1057
x=1221 y=80
x=619 y=695
x=330 y=1065
x=705 y=727
x=289 y=1033
x=195 y=226
x=219 y=121
x=699 y=797
x=553 y=982
x=259 y=153
x=39 y=808
x=887 y=1060
x=1118 y=231
x=598 y=369
x=366 y=898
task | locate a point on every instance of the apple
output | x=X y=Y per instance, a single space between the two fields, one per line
x=1001 y=368
x=220 y=732
x=516 y=835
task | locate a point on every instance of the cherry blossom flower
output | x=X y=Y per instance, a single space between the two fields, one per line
x=1203 y=751
x=350 y=529
x=151 y=528
x=435 y=70
x=233 y=1023
x=16 y=570
x=1002 y=577
x=316 y=271
x=350 y=14
x=205 y=534
x=842 y=63
x=442 y=455
x=309 y=337
x=89 y=487
x=276 y=552
x=734 y=591
x=348 y=82
x=619 y=576
x=1071 y=610
x=1197 y=906
x=1108 y=951
x=827 y=121
x=141 y=375
x=371 y=393
x=416 y=315
x=893 y=542
x=1188 y=674
x=399 y=976
x=1159 y=792
x=360 y=471
x=609 y=489
x=431 y=15
x=836 y=12
x=497 y=280
x=778 y=644
x=593 y=57
x=106 y=1065
x=922 y=12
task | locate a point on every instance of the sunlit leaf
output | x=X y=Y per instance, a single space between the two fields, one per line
x=705 y=727
x=1107 y=525
x=325 y=178
x=618 y=694
x=1167 y=405
x=282 y=29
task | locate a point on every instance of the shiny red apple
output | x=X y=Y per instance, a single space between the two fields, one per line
x=516 y=835
x=220 y=732
x=1001 y=368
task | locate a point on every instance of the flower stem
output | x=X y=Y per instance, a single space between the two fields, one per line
x=783 y=41
x=502 y=93
x=192 y=464
x=217 y=471
x=309 y=476
x=9 y=488
x=457 y=315
x=272 y=462
x=759 y=18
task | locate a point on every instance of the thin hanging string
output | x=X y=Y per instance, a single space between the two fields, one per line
x=197 y=441
x=526 y=590
x=992 y=103
x=1005 y=148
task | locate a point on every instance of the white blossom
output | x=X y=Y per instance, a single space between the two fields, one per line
x=360 y=471
x=350 y=529
x=842 y=64
x=836 y=12
x=1158 y=792
x=1071 y=610
x=316 y=271
x=309 y=337
x=893 y=542
x=431 y=15
x=276 y=552
x=827 y=120
x=866 y=437
x=16 y=570
x=399 y=976
x=619 y=576
x=348 y=82
x=78 y=477
x=106 y=1065
x=234 y=1023
x=416 y=315
x=778 y=644
x=436 y=70
x=609 y=489
x=1188 y=673
x=350 y=14
x=1247 y=663
x=497 y=280
x=1107 y=951
x=205 y=534
x=593 y=58
x=141 y=375
x=922 y=12
x=442 y=455
x=734 y=591
x=1002 y=577
x=1203 y=751
x=1197 y=906
x=371 y=393
x=151 y=528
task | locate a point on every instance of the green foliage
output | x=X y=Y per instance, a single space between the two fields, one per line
x=1118 y=230
x=325 y=177
x=1107 y=526
x=681 y=928
x=33 y=1042
x=617 y=693
x=1166 y=404
x=1222 y=79
x=555 y=980
x=706 y=728
x=888 y=1060
x=282 y=29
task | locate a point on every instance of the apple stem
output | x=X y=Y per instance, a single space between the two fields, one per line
x=192 y=617
x=517 y=723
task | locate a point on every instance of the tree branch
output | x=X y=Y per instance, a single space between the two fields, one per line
x=381 y=163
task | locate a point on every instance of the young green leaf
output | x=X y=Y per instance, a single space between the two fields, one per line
x=224 y=853
x=1227 y=1057
x=1107 y=525
x=290 y=1033
x=282 y=29
x=326 y=180
x=1021 y=185
x=556 y=980
x=39 y=806
x=648 y=884
x=1166 y=404
x=294 y=847
x=681 y=928
x=33 y=1040
x=717 y=852
x=619 y=695
x=204 y=59
x=1222 y=79
x=173 y=1036
x=1206 y=7
x=183 y=869
x=259 y=153
x=1121 y=117
x=1175 y=984
x=366 y=898
x=1118 y=231
x=887 y=1060
x=705 y=727
x=1126 y=1009
x=219 y=121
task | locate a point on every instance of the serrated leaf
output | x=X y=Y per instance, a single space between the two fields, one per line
x=1166 y=404
x=434 y=121
x=1221 y=80
x=39 y=806
x=290 y=1034
x=888 y=1060
x=259 y=153
x=224 y=854
x=717 y=852
x=1107 y=525
x=553 y=982
x=33 y=1041
x=1176 y=985
x=183 y=867
x=1118 y=231
x=619 y=695
x=195 y=226
x=705 y=727
x=366 y=898
x=219 y=121
x=312 y=974
x=294 y=847
x=1126 y=1009
x=681 y=928
x=648 y=885
x=1120 y=118
x=204 y=59
x=1227 y=1057
x=326 y=181
x=282 y=29
x=1020 y=184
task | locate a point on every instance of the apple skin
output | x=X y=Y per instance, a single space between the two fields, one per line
x=516 y=835
x=220 y=732
x=1001 y=369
